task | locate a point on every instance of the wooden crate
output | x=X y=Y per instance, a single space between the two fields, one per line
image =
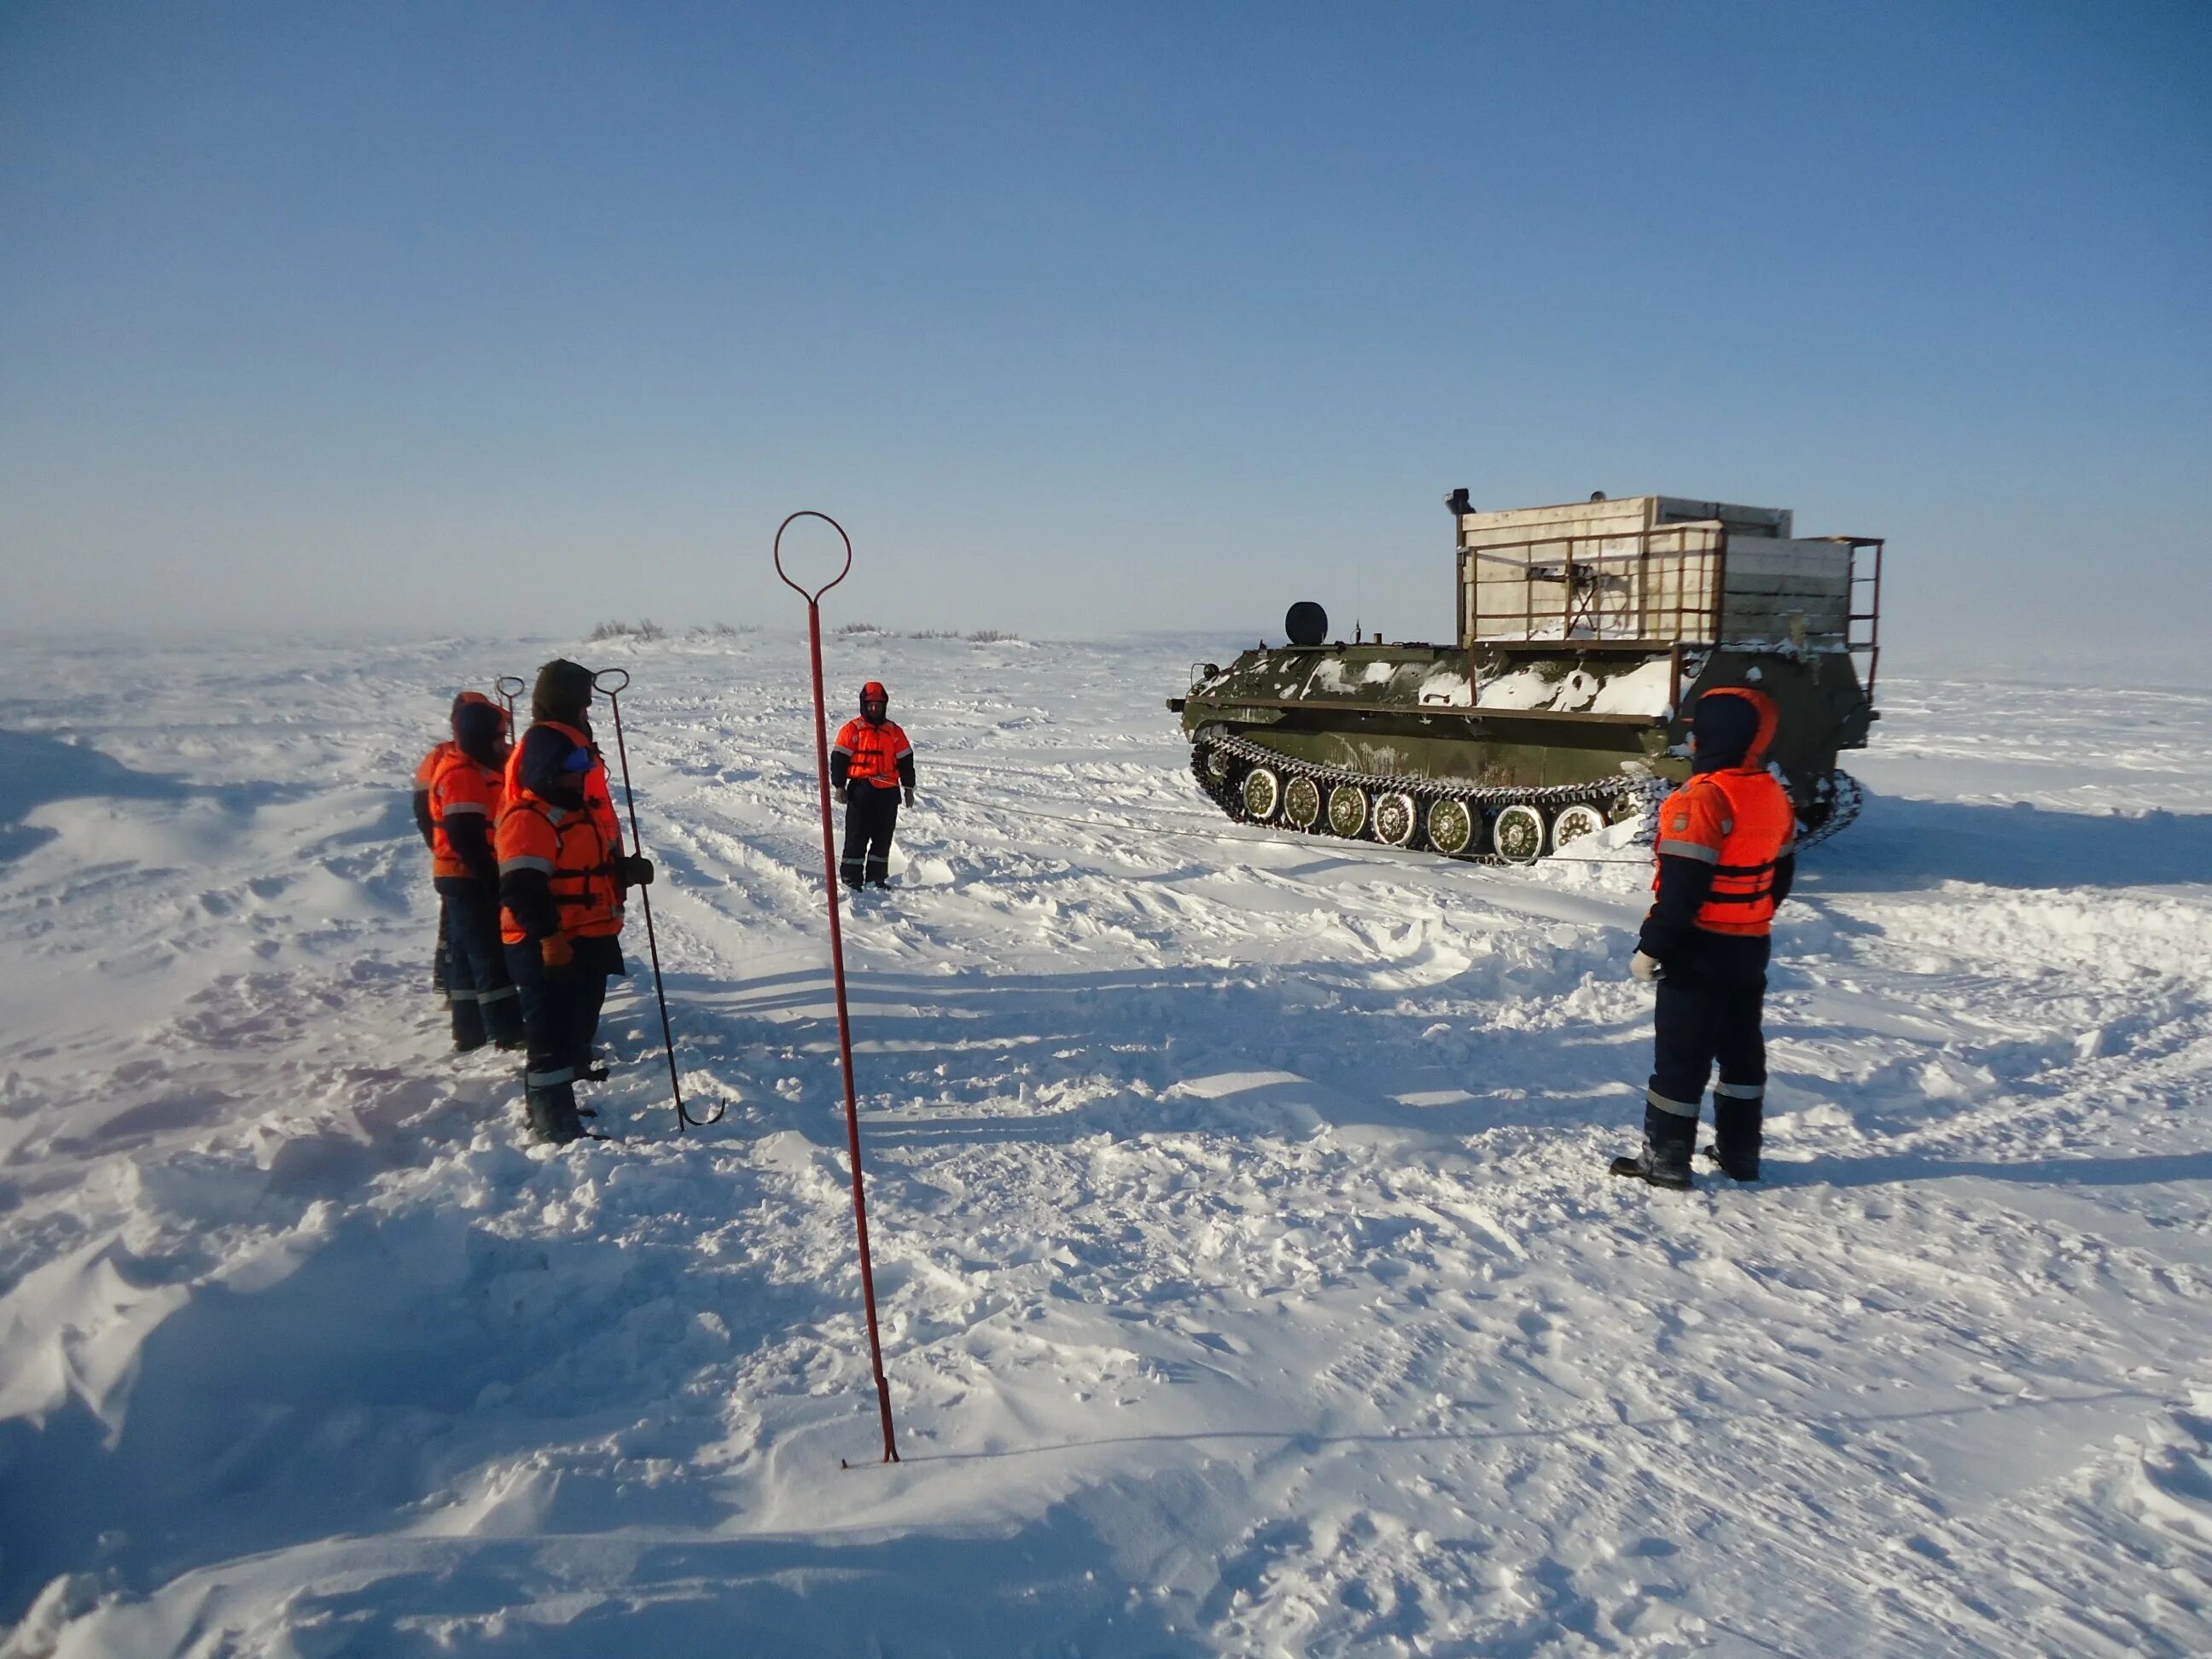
x=1639 y=570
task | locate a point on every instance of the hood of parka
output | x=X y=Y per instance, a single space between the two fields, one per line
x=480 y=728
x=1732 y=724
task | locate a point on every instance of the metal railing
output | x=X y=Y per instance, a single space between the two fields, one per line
x=1866 y=584
x=1650 y=588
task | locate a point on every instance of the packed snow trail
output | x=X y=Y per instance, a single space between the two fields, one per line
x=1251 y=1281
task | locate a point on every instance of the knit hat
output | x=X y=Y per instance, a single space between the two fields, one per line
x=562 y=693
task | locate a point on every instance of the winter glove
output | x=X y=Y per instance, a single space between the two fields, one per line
x=635 y=872
x=1648 y=971
x=556 y=950
x=909 y=794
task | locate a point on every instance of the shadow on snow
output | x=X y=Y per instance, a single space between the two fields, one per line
x=1905 y=846
x=36 y=771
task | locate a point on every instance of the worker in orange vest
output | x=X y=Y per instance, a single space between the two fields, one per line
x=423 y=774
x=872 y=767
x=562 y=875
x=462 y=802
x=440 y=979
x=1726 y=859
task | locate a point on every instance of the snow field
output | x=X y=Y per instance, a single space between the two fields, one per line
x=1251 y=1281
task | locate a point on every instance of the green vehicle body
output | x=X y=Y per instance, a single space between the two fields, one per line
x=1426 y=721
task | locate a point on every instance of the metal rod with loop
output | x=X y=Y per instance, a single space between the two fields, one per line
x=510 y=686
x=613 y=692
x=837 y=951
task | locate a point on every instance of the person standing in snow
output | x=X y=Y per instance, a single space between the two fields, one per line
x=562 y=875
x=423 y=774
x=462 y=802
x=1726 y=859
x=872 y=767
x=444 y=751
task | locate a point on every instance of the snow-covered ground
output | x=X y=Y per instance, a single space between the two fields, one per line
x=1251 y=1281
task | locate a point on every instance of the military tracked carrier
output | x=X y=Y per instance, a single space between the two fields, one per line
x=1585 y=634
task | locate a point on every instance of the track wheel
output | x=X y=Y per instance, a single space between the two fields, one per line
x=1263 y=793
x=1396 y=818
x=1574 y=823
x=1517 y=833
x=1347 y=811
x=1451 y=826
x=1216 y=764
x=1302 y=802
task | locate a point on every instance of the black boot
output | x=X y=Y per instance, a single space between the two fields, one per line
x=553 y=1117
x=468 y=1022
x=1665 y=1160
x=1737 y=1133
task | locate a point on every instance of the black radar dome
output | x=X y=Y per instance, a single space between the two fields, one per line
x=1306 y=624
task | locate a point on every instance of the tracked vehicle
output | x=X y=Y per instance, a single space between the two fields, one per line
x=1585 y=633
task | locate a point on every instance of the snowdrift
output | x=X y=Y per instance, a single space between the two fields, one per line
x=1251 y=1279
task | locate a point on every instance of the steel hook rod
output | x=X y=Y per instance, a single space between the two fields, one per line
x=837 y=962
x=683 y=1118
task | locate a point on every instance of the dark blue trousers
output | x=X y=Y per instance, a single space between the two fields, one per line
x=561 y=1020
x=1710 y=1016
x=478 y=984
x=871 y=820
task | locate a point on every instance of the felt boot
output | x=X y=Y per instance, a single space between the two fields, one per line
x=1736 y=1137
x=553 y=1117
x=468 y=1022
x=1668 y=1138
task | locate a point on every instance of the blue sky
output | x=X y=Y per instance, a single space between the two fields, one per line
x=489 y=318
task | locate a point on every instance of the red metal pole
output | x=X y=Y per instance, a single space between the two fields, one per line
x=837 y=974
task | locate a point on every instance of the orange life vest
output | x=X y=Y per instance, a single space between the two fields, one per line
x=459 y=787
x=1742 y=822
x=576 y=848
x=427 y=770
x=1738 y=820
x=874 y=751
